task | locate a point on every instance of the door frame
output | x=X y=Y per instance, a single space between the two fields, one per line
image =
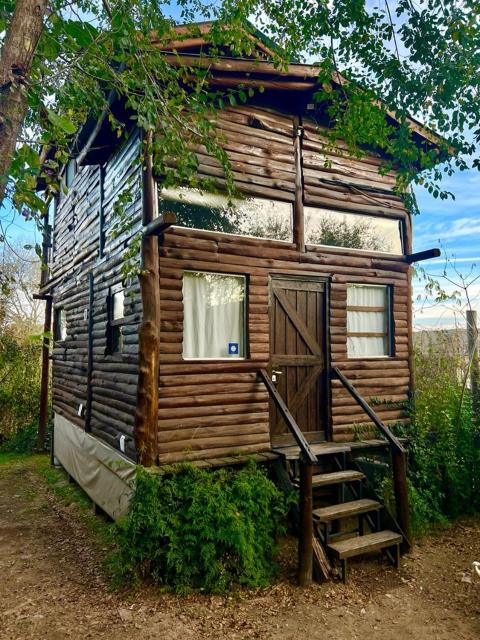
x=307 y=277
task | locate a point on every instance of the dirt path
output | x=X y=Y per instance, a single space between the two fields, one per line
x=52 y=586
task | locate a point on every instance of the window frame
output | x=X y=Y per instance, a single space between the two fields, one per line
x=400 y=220
x=390 y=324
x=114 y=326
x=160 y=194
x=246 y=336
x=57 y=324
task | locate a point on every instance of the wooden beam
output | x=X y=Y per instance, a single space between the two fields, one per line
x=239 y=65
x=159 y=225
x=305 y=533
x=146 y=412
x=422 y=255
x=278 y=85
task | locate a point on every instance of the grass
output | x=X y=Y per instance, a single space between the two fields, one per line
x=66 y=493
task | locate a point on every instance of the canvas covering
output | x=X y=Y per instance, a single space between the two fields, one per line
x=104 y=474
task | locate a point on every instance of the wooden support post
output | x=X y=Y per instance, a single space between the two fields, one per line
x=88 y=407
x=298 y=212
x=472 y=335
x=305 y=528
x=146 y=413
x=400 y=486
x=47 y=328
x=45 y=378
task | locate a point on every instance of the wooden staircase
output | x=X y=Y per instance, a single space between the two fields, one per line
x=345 y=523
x=325 y=474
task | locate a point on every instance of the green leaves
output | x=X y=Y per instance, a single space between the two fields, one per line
x=196 y=529
x=61 y=122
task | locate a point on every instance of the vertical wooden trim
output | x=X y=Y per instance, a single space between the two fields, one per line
x=101 y=222
x=391 y=325
x=146 y=413
x=408 y=250
x=88 y=407
x=45 y=379
x=328 y=364
x=298 y=209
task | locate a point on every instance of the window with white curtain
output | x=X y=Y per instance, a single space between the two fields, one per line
x=368 y=321
x=213 y=315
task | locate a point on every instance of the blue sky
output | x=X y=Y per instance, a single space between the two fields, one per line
x=454 y=226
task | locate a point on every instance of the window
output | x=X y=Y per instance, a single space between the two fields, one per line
x=116 y=319
x=213 y=315
x=67 y=178
x=60 y=325
x=353 y=231
x=257 y=217
x=368 y=321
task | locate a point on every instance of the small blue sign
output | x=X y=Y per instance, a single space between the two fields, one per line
x=233 y=348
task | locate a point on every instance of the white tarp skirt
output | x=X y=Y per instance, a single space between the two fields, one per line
x=104 y=473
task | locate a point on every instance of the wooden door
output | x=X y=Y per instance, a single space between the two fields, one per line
x=297 y=355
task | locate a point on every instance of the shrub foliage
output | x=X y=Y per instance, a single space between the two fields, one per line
x=19 y=392
x=198 y=529
x=444 y=458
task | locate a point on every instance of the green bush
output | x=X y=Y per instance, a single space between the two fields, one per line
x=19 y=391
x=444 y=456
x=198 y=529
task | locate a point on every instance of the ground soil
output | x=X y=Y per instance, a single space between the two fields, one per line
x=53 y=585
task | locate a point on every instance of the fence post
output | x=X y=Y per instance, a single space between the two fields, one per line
x=305 y=525
x=472 y=337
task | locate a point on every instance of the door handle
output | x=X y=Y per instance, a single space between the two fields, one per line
x=275 y=374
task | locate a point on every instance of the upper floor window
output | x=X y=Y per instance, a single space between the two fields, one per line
x=368 y=321
x=68 y=177
x=60 y=325
x=353 y=231
x=116 y=319
x=214 y=324
x=257 y=217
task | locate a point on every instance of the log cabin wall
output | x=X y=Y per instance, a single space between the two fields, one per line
x=101 y=399
x=215 y=408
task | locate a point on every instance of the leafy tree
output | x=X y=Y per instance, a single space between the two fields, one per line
x=420 y=58
x=20 y=313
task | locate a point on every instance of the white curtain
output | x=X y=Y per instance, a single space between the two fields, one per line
x=367 y=321
x=213 y=315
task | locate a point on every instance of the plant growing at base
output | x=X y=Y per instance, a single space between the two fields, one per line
x=196 y=529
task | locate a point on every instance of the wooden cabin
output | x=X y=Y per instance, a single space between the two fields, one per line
x=283 y=314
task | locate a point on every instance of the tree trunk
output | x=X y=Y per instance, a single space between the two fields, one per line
x=16 y=58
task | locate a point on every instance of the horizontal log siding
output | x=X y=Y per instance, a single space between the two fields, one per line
x=211 y=409
x=76 y=253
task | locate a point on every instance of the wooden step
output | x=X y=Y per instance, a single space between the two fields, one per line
x=292 y=452
x=336 y=477
x=364 y=544
x=346 y=510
